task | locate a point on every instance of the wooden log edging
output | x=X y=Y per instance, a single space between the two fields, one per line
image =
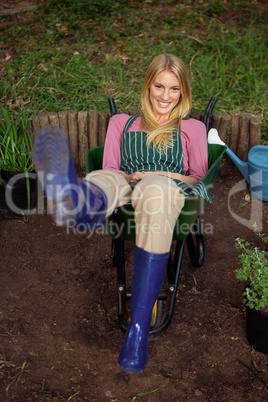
x=87 y=129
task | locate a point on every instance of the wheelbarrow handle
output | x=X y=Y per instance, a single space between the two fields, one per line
x=208 y=112
x=112 y=106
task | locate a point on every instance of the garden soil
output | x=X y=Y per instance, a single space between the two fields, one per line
x=59 y=332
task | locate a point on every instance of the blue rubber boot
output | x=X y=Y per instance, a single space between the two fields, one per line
x=149 y=271
x=71 y=200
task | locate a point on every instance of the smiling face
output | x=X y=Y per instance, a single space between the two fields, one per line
x=164 y=94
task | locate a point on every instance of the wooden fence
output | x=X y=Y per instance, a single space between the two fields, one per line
x=86 y=130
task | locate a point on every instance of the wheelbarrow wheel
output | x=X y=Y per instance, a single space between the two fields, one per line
x=157 y=314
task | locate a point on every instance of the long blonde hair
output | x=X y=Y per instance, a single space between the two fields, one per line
x=161 y=134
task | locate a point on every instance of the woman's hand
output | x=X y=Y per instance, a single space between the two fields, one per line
x=134 y=176
x=191 y=181
x=140 y=175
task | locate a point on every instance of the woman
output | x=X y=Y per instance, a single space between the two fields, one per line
x=164 y=155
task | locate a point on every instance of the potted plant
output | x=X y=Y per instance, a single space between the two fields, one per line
x=254 y=269
x=17 y=183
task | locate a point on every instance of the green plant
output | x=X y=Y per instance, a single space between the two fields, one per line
x=16 y=147
x=254 y=268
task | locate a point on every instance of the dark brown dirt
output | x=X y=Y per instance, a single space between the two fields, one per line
x=59 y=333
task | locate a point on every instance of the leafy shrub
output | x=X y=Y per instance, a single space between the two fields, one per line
x=16 y=145
x=254 y=268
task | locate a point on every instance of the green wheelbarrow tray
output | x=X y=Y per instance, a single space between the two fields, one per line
x=187 y=230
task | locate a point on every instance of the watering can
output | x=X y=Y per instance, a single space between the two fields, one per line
x=255 y=170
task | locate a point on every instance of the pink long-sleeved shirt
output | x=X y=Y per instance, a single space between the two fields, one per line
x=193 y=139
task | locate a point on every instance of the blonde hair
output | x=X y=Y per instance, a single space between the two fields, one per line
x=161 y=134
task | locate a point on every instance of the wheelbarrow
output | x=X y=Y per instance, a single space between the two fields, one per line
x=188 y=230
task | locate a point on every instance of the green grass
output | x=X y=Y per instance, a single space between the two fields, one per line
x=15 y=144
x=76 y=54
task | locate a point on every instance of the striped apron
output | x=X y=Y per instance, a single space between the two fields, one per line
x=137 y=157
